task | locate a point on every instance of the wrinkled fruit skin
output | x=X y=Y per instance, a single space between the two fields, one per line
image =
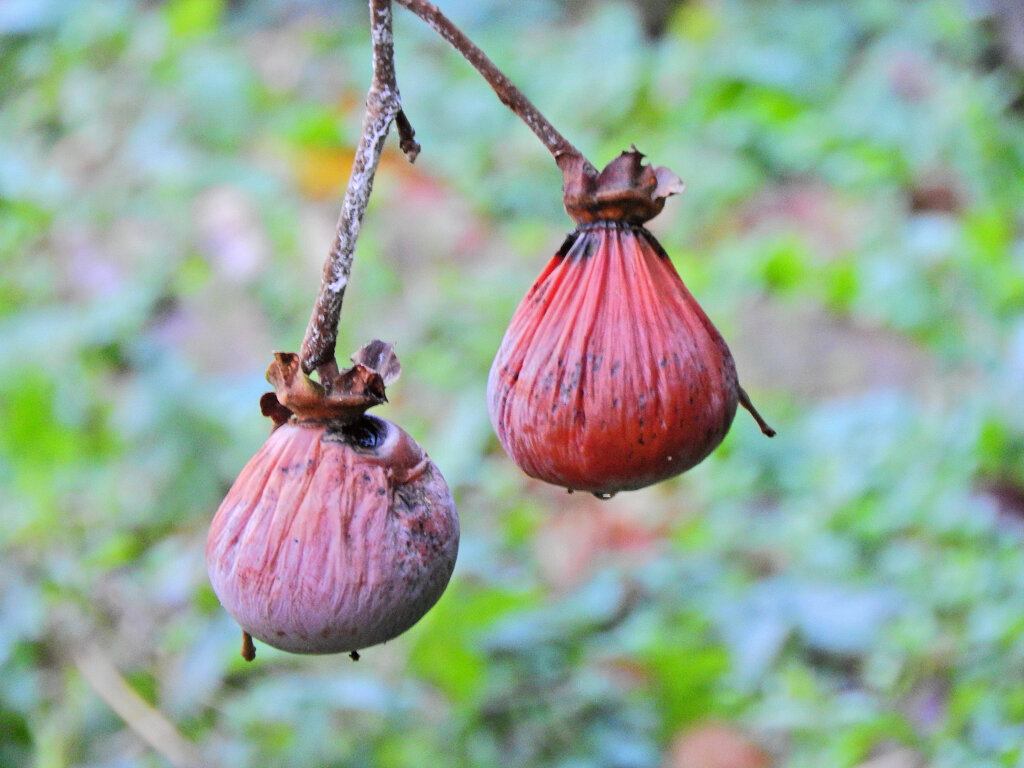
x=333 y=538
x=610 y=376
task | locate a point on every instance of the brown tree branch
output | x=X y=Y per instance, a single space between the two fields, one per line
x=383 y=105
x=560 y=148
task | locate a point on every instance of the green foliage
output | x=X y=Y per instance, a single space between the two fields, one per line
x=169 y=181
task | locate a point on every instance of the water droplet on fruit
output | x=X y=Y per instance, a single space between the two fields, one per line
x=605 y=496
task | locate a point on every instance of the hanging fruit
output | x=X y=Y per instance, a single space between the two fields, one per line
x=340 y=533
x=610 y=376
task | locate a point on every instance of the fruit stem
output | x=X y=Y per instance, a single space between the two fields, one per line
x=383 y=106
x=745 y=402
x=560 y=148
x=248 y=646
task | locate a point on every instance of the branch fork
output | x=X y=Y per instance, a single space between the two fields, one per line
x=384 y=107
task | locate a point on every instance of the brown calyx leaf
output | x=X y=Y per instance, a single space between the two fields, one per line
x=626 y=190
x=271 y=407
x=346 y=396
x=379 y=356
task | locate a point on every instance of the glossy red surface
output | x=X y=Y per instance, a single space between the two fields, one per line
x=610 y=376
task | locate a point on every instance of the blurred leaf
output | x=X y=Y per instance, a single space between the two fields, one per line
x=193 y=18
x=446 y=652
x=686 y=668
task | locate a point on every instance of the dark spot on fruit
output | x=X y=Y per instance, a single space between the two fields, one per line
x=589 y=248
x=366 y=433
x=566 y=245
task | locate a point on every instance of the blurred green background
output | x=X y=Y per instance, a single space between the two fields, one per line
x=850 y=593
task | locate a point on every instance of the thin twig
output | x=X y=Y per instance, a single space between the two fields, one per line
x=559 y=147
x=149 y=723
x=746 y=403
x=383 y=104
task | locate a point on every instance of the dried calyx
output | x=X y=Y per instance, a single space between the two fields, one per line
x=343 y=396
x=625 y=191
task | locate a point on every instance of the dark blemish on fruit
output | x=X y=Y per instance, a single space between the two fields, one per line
x=589 y=248
x=364 y=434
x=615 y=367
x=566 y=245
x=658 y=249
